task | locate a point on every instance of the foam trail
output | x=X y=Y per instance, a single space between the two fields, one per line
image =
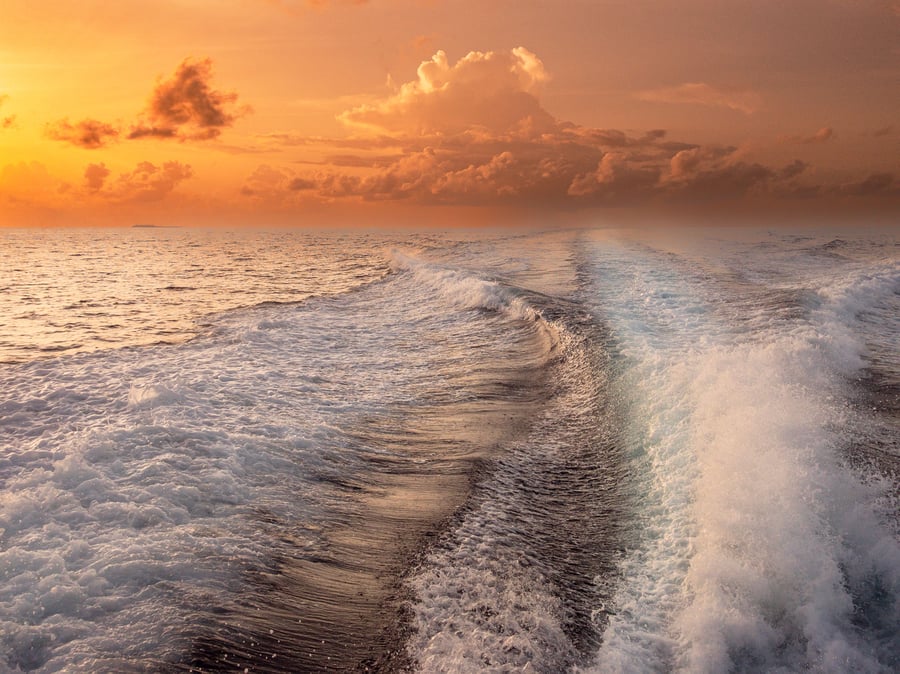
x=215 y=504
x=760 y=551
x=510 y=588
x=463 y=289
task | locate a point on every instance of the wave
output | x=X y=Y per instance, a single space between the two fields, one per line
x=464 y=289
x=510 y=586
x=758 y=549
x=158 y=500
x=642 y=470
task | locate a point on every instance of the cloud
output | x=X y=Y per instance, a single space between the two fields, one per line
x=700 y=93
x=271 y=184
x=186 y=107
x=571 y=167
x=95 y=175
x=88 y=133
x=794 y=169
x=147 y=182
x=687 y=163
x=715 y=173
x=823 y=135
x=140 y=131
x=300 y=184
x=9 y=121
x=876 y=184
x=474 y=132
x=617 y=177
x=494 y=91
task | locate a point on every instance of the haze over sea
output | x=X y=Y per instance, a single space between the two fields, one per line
x=568 y=451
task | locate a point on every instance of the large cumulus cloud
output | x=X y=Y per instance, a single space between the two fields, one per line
x=493 y=91
x=474 y=132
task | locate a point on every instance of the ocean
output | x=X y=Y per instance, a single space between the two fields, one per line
x=585 y=451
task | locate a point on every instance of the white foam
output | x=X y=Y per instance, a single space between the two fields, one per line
x=756 y=539
x=479 y=612
x=130 y=473
x=137 y=481
x=463 y=289
x=151 y=395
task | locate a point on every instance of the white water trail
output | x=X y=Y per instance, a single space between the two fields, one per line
x=758 y=546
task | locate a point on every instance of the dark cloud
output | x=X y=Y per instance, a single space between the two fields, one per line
x=877 y=184
x=186 y=107
x=617 y=177
x=730 y=181
x=10 y=120
x=95 y=175
x=298 y=184
x=88 y=133
x=151 y=132
x=792 y=170
x=564 y=169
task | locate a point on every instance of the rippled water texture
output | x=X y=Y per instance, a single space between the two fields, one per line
x=71 y=290
x=574 y=451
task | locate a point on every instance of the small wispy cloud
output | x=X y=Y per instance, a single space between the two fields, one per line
x=823 y=135
x=88 y=133
x=8 y=121
x=700 y=93
x=296 y=7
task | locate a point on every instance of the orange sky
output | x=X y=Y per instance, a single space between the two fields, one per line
x=317 y=112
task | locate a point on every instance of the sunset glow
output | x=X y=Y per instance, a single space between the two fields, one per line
x=293 y=112
x=548 y=336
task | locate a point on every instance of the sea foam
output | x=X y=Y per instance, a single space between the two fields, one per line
x=759 y=548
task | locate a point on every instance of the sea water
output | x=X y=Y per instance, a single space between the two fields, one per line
x=590 y=450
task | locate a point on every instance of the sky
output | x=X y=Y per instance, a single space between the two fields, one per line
x=318 y=112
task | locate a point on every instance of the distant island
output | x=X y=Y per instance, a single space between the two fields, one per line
x=144 y=226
